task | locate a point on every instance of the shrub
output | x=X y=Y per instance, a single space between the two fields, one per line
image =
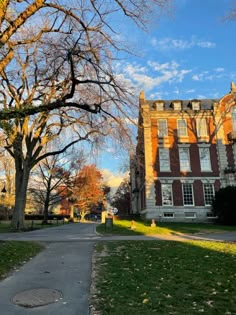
x=223 y=205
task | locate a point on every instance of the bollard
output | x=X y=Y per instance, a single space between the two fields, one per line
x=132 y=225
x=153 y=223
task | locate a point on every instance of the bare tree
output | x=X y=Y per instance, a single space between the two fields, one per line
x=51 y=177
x=60 y=73
x=27 y=137
x=80 y=41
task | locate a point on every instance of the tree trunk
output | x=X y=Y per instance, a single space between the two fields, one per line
x=46 y=206
x=21 y=184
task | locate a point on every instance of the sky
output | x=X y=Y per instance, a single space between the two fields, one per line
x=189 y=52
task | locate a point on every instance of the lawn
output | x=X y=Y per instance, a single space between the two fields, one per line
x=15 y=253
x=164 y=277
x=123 y=227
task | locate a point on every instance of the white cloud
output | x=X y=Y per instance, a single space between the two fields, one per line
x=219 y=69
x=113 y=179
x=154 y=74
x=207 y=76
x=169 y=43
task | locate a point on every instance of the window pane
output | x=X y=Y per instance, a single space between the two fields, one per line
x=208 y=193
x=205 y=161
x=162 y=128
x=164 y=159
x=201 y=127
x=184 y=159
x=166 y=195
x=182 y=127
x=188 y=194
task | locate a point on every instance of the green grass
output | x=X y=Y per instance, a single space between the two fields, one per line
x=15 y=253
x=123 y=227
x=164 y=277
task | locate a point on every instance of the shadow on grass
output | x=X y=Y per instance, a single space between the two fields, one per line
x=126 y=227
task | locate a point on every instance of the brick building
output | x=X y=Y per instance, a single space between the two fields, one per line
x=186 y=150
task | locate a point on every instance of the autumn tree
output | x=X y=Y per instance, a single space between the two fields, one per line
x=121 y=198
x=88 y=189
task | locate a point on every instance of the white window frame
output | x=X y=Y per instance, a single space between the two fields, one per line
x=182 y=130
x=164 y=159
x=169 y=193
x=162 y=130
x=205 y=159
x=205 y=193
x=185 y=195
x=184 y=159
x=190 y=215
x=201 y=127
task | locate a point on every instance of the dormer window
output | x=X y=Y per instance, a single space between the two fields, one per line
x=195 y=105
x=158 y=105
x=177 y=105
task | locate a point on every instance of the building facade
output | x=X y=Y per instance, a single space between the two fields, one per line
x=186 y=151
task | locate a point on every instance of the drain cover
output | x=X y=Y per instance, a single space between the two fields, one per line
x=37 y=297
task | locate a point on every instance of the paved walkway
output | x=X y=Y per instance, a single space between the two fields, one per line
x=65 y=267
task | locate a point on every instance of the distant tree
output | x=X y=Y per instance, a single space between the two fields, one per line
x=223 y=205
x=51 y=179
x=121 y=199
x=87 y=191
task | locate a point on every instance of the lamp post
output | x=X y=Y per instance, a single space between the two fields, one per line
x=3 y=195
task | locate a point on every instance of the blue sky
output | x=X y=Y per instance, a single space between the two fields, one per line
x=189 y=52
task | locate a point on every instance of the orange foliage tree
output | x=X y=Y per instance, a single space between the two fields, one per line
x=87 y=189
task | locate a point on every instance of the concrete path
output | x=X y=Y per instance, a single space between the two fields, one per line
x=65 y=267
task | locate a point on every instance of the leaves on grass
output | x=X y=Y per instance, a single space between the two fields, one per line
x=196 y=276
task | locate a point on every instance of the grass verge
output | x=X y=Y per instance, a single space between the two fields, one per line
x=123 y=227
x=164 y=277
x=16 y=253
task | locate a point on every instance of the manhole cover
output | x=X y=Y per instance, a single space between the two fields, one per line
x=37 y=297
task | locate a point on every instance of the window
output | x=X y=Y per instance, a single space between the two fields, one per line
x=184 y=159
x=190 y=215
x=182 y=127
x=159 y=105
x=188 y=194
x=162 y=128
x=168 y=215
x=177 y=105
x=166 y=190
x=164 y=159
x=195 y=105
x=205 y=160
x=233 y=116
x=210 y=215
x=201 y=127
x=208 y=193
